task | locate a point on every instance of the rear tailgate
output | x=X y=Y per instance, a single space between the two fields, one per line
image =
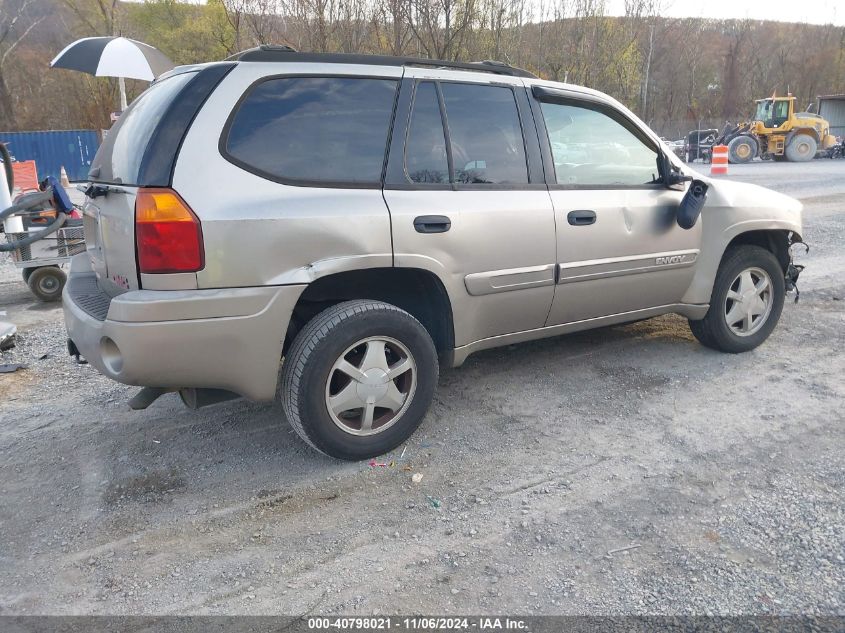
x=139 y=151
x=109 y=222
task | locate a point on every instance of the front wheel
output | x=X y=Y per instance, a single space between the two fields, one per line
x=358 y=379
x=746 y=302
x=742 y=149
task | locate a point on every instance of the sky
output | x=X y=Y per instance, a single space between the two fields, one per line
x=811 y=11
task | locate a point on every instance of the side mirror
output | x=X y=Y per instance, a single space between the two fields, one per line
x=670 y=175
x=691 y=204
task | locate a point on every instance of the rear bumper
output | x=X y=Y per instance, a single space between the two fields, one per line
x=224 y=339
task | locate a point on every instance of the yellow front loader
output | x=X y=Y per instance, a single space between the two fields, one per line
x=779 y=133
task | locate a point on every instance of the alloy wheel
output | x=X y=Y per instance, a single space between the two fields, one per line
x=749 y=301
x=371 y=385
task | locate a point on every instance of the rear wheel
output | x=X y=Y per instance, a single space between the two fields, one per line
x=47 y=282
x=742 y=149
x=746 y=302
x=358 y=379
x=801 y=148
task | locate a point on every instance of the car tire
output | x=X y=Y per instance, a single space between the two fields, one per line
x=742 y=149
x=372 y=409
x=801 y=148
x=47 y=283
x=737 y=293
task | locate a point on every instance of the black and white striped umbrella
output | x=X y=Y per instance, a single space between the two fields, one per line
x=114 y=57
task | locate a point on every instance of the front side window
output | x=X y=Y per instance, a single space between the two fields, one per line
x=314 y=129
x=590 y=148
x=486 y=137
x=781 y=113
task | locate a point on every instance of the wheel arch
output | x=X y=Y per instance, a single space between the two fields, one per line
x=774 y=237
x=777 y=241
x=802 y=130
x=419 y=292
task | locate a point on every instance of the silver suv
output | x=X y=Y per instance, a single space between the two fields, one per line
x=324 y=229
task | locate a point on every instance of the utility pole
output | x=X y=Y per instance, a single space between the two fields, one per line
x=648 y=69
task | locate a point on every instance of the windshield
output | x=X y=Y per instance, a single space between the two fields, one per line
x=764 y=110
x=118 y=160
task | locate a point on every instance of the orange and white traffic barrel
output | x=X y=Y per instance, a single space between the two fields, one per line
x=719 y=160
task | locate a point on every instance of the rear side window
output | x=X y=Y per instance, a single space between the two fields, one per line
x=314 y=129
x=486 y=137
x=119 y=158
x=425 y=152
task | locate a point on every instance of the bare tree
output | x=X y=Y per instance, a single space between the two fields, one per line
x=15 y=26
x=737 y=33
x=258 y=21
x=674 y=72
x=98 y=17
x=353 y=31
x=441 y=26
x=390 y=25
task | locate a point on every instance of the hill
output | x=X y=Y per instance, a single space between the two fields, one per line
x=674 y=73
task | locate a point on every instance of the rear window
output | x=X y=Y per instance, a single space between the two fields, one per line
x=119 y=158
x=314 y=129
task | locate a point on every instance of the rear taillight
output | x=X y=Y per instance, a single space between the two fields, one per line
x=168 y=236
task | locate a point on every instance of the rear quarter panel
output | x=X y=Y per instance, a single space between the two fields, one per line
x=259 y=232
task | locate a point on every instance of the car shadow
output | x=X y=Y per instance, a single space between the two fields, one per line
x=165 y=456
x=237 y=435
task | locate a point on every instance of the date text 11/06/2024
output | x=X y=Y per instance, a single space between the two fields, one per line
x=418 y=624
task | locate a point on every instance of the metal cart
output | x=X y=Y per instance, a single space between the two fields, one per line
x=41 y=231
x=40 y=261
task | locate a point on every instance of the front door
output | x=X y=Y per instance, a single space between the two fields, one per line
x=620 y=248
x=467 y=200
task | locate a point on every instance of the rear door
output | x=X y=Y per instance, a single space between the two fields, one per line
x=467 y=200
x=108 y=220
x=620 y=248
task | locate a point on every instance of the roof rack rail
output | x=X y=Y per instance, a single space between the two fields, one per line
x=275 y=53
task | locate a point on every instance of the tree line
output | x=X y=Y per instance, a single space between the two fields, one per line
x=677 y=74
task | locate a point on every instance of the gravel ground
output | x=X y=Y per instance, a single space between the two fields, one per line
x=723 y=475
